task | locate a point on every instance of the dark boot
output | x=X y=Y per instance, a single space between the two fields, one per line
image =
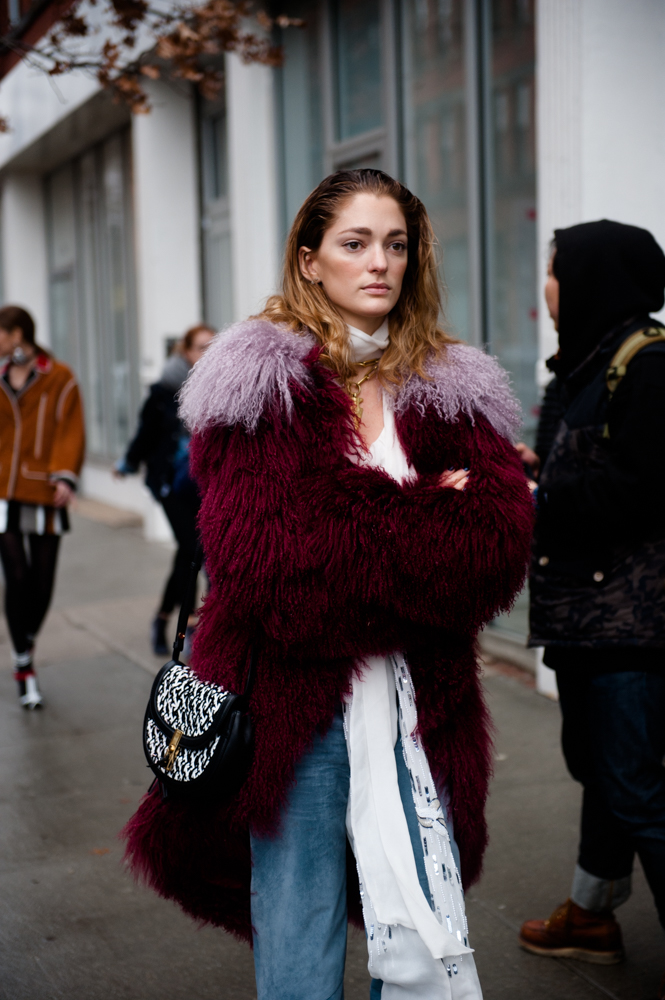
x=572 y=932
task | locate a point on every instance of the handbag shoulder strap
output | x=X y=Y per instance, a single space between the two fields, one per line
x=187 y=605
x=186 y=609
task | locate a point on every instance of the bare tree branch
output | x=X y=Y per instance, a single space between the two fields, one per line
x=131 y=41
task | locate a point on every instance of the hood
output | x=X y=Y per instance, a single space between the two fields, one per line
x=608 y=273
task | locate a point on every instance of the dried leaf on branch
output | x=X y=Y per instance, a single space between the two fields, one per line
x=127 y=42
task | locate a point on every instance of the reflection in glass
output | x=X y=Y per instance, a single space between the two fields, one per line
x=300 y=106
x=89 y=305
x=513 y=336
x=435 y=140
x=61 y=223
x=215 y=159
x=215 y=214
x=91 y=290
x=359 y=77
x=121 y=416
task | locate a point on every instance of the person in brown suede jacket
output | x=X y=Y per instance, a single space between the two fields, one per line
x=42 y=442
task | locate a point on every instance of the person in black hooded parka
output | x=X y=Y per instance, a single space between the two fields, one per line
x=598 y=573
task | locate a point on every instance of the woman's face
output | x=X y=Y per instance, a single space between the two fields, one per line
x=9 y=339
x=552 y=293
x=199 y=344
x=361 y=260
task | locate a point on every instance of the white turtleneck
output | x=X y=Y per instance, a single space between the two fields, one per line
x=368 y=348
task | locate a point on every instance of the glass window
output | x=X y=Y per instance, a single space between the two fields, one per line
x=358 y=76
x=512 y=164
x=62 y=226
x=90 y=305
x=440 y=93
x=117 y=289
x=215 y=214
x=91 y=287
x=299 y=83
x=435 y=136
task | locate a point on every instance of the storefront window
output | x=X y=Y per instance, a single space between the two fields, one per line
x=358 y=66
x=299 y=89
x=91 y=283
x=441 y=94
x=512 y=164
x=435 y=108
x=215 y=214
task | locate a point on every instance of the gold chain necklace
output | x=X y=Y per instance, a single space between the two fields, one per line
x=352 y=388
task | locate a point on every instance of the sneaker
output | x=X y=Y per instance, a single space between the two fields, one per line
x=572 y=932
x=158 y=636
x=29 y=695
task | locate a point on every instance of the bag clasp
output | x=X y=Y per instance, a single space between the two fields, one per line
x=168 y=760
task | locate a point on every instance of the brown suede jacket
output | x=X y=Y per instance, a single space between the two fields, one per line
x=42 y=436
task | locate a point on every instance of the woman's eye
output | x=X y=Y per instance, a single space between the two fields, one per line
x=352 y=244
x=398 y=247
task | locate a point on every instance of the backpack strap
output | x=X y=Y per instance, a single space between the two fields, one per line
x=631 y=346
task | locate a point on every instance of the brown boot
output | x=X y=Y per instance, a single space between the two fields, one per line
x=572 y=932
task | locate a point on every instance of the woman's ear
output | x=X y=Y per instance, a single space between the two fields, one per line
x=307 y=262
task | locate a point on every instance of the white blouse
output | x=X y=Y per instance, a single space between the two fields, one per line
x=376 y=823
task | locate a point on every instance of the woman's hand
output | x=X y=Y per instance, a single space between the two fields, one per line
x=454 y=479
x=63 y=494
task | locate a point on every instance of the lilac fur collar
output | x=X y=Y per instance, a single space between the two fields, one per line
x=245 y=374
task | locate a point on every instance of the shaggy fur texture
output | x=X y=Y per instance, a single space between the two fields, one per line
x=466 y=382
x=250 y=368
x=246 y=374
x=329 y=562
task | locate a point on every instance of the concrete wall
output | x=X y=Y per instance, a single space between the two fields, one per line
x=253 y=177
x=601 y=119
x=23 y=247
x=166 y=211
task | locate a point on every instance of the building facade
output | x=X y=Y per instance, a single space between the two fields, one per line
x=508 y=118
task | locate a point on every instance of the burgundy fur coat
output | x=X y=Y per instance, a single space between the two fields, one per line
x=329 y=562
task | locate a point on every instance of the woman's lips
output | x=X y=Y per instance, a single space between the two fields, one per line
x=378 y=288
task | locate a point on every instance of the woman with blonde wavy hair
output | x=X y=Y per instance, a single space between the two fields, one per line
x=364 y=513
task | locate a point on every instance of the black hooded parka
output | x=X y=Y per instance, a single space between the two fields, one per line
x=598 y=568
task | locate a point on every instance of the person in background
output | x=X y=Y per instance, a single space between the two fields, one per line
x=597 y=601
x=161 y=444
x=42 y=444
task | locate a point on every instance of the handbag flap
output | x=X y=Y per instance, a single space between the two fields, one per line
x=184 y=702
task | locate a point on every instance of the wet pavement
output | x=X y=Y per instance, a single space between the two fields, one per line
x=74 y=925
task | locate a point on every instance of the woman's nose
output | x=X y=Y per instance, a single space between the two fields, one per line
x=379 y=262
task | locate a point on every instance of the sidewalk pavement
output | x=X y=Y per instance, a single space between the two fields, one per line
x=74 y=925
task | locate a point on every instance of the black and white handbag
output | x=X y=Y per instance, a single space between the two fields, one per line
x=197 y=737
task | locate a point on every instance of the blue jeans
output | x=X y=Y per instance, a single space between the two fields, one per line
x=299 y=878
x=614 y=743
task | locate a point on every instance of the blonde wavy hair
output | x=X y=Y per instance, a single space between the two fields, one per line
x=414 y=322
